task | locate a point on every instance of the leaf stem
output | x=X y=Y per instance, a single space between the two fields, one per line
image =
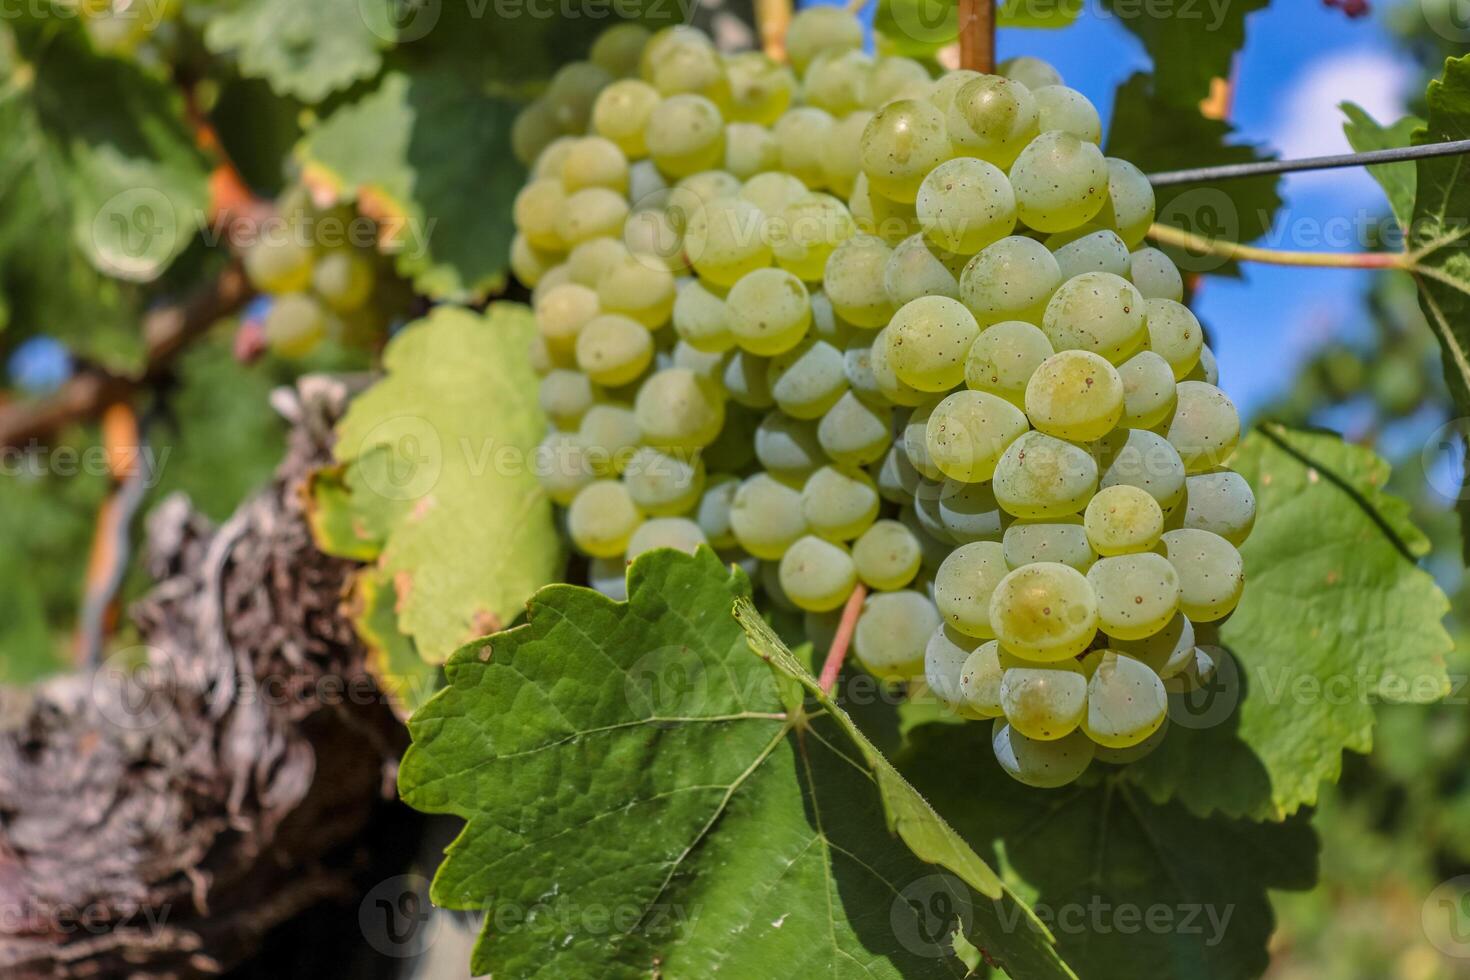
x=1178 y=237
x=773 y=18
x=977 y=35
x=837 y=653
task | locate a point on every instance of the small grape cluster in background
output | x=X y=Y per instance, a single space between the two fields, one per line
x=848 y=323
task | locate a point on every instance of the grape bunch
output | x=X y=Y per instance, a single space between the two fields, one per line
x=849 y=324
x=324 y=277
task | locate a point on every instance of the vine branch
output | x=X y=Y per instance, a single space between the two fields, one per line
x=1178 y=237
x=772 y=18
x=977 y=35
x=837 y=653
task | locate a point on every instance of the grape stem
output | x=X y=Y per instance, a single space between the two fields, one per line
x=773 y=18
x=1178 y=237
x=837 y=653
x=977 y=35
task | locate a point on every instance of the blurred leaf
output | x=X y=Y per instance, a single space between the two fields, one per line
x=1336 y=618
x=407 y=679
x=1365 y=134
x=1191 y=44
x=258 y=130
x=304 y=50
x=348 y=517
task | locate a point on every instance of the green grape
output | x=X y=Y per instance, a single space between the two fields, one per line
x=808 y=379
x=692 y=66
x=566 y=396
x=678 y=533
x=887 y=556
x=558 y=275
x=530 y=264
x=969 y=512
x=944 y=663
x=802 y=135
x=1040 y=476
x=601 y=518
x=1206 y=370
x=914 y=433
x=747 y=380
x=979 y=680
x=280 y=264
x=1044 y=702
x=664 y=485
x=709 y=367
x=1205 y=426
x=855 y=432
x=590 y=259
x=1031 y=72
x=1222 y=503
x=1143 y=459
x=549 y=161
x=770 y=579
x=709 y=185
x=1155 y=275
x=734 y=448
x=901 y=143
x=914 y=269
x=893 y=632
x=1060 y=182
x=944 y=89
x=928 y=339
x=857 y=360
x=750 y=149
x=896 y=478
x=595 y=162
x=926 y=508
x=772 y=191
x=839 y=504
x=592 y=212
x=1198 y=670
x=295 y=325
x=563 y=467
x=609 y=435
x=1129 y=209
x=543 y=360
x=724 y=240
x=1003 y=358
x=1148 y=390
x=766 y=516
x=1014 y=279
x=685 y=134
x=842 y=161
x=701 y=319
x=610 y=577
x=965 y=204
x=536 y=212
x=1174 y=334
x=572 y=92
x=817 y=29
x=853 y=281
x=619 y=49
x=1137 y=594
x=562 y=313
x=992 y=118
x=613 y=350
x=890 y=388
x=678 y=410
x=1045 y=611
x=534 y=129
x=806 y=233
x=1066 y=109
x=788 y=447
x=344 y=279
x=1059 y=540
x=639 y=289
x=817 y=575
x=933 y=551
x=1211 y=574
x=621 y=113
x=712 y=513
x=1166 y=652
x=770 y=311
x=1133 y=753
x=1126 y=701
x=1043 y=765
x=838 y=81
x=761 y=89
x=1123 y=519
x=1096 y=311
x=1075 y=395
x=968 y=432
x=876 y=215
x=893 y=76
x=964 y=584
x=1098 y=251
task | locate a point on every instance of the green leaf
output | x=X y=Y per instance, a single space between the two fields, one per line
x=1131 y=888
x=392 y=659
x=459 y=422
x=1159 y=135
x=919 y=28
x=427 y=155
x=1191 y=44
x=1336 y=617
x=644 y=797
x=305 y=50
x=1398 y=180
x=349 y=518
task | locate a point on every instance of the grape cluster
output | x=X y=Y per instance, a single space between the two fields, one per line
x=849 y=323
x=324 y=277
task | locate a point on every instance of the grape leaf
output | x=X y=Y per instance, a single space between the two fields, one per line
x=305 y=50
x=645 y=797
x=426 y=154
x=919 y=28
x=1157 y=135
x=1131 y=888
x=392 y=659
x=1336 y=617
x=1364 y=134
x=458 y=417
x=1191 y=43
x=348 y=518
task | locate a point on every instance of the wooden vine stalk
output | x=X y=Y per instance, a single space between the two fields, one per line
x=977 y=35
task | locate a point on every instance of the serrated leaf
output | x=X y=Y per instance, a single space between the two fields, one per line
x=1131 y=888
x=305 y=50
x=392 y=659
x=645 y=797
x=1365 y=134
x=1336 y=617
x=458 y=417
x=1157 y=135
x=1191 y=44
x=428 y=155
x=919 y=28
